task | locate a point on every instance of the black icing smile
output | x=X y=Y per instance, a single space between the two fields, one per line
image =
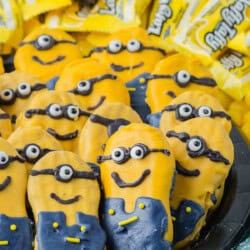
x=185 y=172
x=58 y=59
x=5 y=183
x=64 y=137
x=120 y=68
x=100 y=102
x=123 y=184
x=66 y=202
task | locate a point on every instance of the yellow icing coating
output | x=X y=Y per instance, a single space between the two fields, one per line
x=24 y=56
x=6 y=126
x=86 y=189
x=156 y=185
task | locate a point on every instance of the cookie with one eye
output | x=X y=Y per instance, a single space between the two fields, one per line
x=44 y=52
x=93 y=83
x=33 y=143
x=137 y=171
x=66 y=207
x=192 y=104
x=204 y=154
x=59 y=113
x=101 y=124
x=128 y=52
x=174 y=75
x=16 y=90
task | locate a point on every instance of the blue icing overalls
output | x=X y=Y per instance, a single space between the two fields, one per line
x=52 y=232
x=186 y=217
x=15 y=233
x=144 y=228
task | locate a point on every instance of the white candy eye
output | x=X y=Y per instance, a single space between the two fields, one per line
x=204 y=111
x=133 y=45
x=4 y=158
x=73 y=112
x=195 y=145
x=182 y=77
x=65 y=172
x=44 y=42
x=24 y=89
x=137 y=152
x=118 y=155
x=83 y=86
x=32 y=152
x=55 y=110
x=114 y=46
x=7 y=94
x=185 y=110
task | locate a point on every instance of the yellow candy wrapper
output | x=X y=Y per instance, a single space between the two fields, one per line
x=106 y=16
x=232 y=73
x=218 y=22
x=32 y=8
x=11 y=23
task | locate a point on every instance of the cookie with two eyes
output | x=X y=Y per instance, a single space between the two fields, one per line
x=44 y=52
x=174 y=75
x=33 y=143
x=66 y=207
x=93 y=83
x=17 y=89
x=192 y=104
x=204 y=155
x=59 y=113
x=137 y=169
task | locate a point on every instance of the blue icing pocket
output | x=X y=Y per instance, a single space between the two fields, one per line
x=144 y=228
x=154 y=119
x=51 y=83
x=53 y=233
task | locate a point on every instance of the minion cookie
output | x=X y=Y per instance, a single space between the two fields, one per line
x=174 y=75
x=16 y=90
x=100 y=126
x=137 y=170
x=204 y=155
x=44 y=52
x=15 y=226
x=192 y=104
x=32 y=143
x=59 y=113
x=129 y=53
x=93 y=83
x=66 y=208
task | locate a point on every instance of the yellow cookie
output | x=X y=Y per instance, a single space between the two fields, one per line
x=204 y=155
x=32 y=143
x=93 y=83
x=102 y=124
x=59 y=113
x=128 y=52
x=192 y=104
x=174 y=75
x=44 y=52
x=137 y=170
x=5 y=124
x=16 y=90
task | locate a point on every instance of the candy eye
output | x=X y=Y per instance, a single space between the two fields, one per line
x=55 y=110
x=44 y=42
x=32 y=152
x=7 y=95
x=182 y=77
x=83 y=86
x=24 y=89
x=204 y=111
x=65 y=173
x=133 y=45
x=195 y=144
x=137 y=152
x=114 y=46
x=4 y=158
x=185 y=110
x=118 y=155
x=72 y=112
